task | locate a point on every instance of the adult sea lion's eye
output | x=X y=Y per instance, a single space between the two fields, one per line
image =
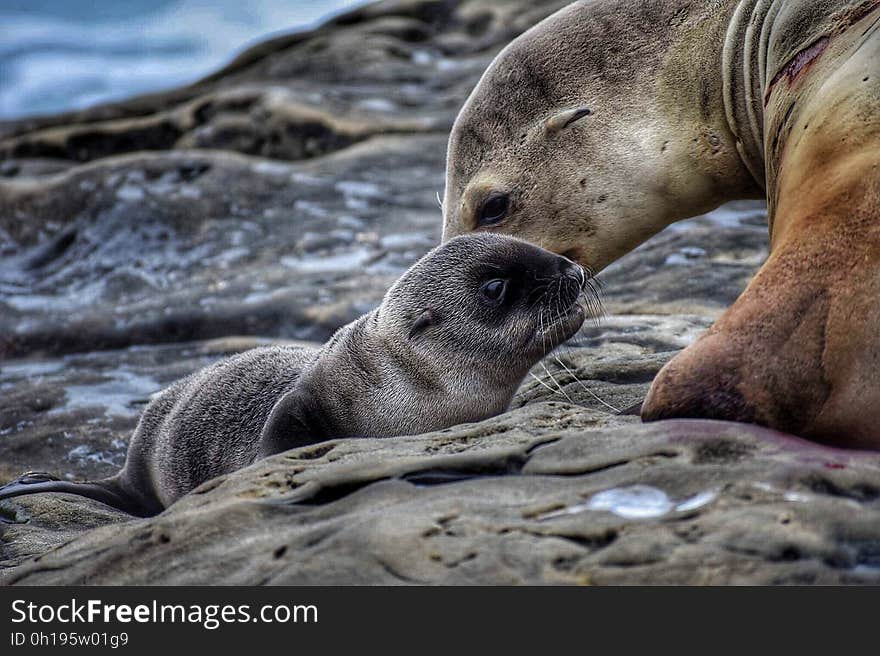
x=494 y=209
x=494 y=290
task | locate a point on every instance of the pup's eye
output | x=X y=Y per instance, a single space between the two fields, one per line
x=494 y=290
x=494 y=209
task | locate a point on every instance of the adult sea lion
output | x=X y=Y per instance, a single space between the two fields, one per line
x=612 y=119
x=450 y=343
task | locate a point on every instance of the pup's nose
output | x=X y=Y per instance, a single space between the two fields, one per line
x=571 y=269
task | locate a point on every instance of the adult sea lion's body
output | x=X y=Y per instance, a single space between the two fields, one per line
x=450 y=343
x=613 y=118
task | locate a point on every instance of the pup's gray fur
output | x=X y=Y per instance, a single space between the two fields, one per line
x=437 y=352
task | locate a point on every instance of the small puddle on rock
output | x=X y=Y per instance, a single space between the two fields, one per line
x=635 y=502
x=118 y=395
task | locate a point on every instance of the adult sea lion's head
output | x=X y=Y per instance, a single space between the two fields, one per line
x=590 y=133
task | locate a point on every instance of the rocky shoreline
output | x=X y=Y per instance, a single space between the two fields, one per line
x=276 y=200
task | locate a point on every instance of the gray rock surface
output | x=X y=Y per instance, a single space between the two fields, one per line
x=544 y=494
x=277 y=200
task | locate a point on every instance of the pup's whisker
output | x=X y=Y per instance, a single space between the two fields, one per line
x=584 y=385
x=541 y=382
x=556 y=382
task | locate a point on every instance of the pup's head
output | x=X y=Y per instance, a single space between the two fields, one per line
x=488 y=302
x=450 y=343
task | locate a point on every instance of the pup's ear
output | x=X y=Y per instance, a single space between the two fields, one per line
x=298 y=419
x=424 y=320
x=562 y=120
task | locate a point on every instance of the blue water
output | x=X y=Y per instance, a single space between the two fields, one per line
x=59 y=55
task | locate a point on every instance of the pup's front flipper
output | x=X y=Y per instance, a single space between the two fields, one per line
x=298 y=419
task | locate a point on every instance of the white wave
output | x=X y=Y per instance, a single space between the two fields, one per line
x=53 y=58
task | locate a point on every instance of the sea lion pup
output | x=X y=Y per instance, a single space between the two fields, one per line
x=612 y=119
x=450 y=343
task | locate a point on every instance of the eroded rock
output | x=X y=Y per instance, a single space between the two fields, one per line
x=540 y=495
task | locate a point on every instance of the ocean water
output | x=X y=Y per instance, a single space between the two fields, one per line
x=58 y=55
